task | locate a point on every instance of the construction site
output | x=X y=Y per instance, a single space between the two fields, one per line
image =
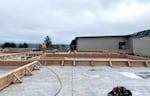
x=75 y=48
x=76 y=73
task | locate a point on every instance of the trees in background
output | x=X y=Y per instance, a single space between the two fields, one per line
x=8 y=44
x=13 y=45
x=24 y=45
x=49 y=44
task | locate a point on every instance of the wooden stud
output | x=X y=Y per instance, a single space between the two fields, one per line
x=75 y=52
x=110 y=63
x=92 y=64
x=40 y=65
x=28 y=72
x=45 y=63
x=129 y=64
x=147 y=64
x=74 y=63
x=62 y=63
x=17 y=79
x=36 y=67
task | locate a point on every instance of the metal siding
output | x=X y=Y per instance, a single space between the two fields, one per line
x=100 y=43
x=141 y=46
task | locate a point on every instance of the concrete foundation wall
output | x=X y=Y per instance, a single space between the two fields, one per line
x=100 y=43
x=141 y=46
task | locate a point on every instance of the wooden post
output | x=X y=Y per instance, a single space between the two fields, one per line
x=129 y=64
x=62 y=62
x=147 y=64
x=45 y=63
x=91 y=63
x=110 y=63
x=74 y=63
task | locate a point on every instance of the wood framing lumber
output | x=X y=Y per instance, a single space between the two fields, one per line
x=110 y=63
x=28 y=72
x=92 y=63
x=129 y=64
x=74 y=63
x=147 y=64
x=16 y=79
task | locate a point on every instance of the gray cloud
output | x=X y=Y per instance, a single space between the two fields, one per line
x=32 y=20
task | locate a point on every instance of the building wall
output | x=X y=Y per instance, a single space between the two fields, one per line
x=141 y=46
x=130 y=43
x=100 y=43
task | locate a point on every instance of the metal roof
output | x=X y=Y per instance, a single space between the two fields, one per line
x=101 y=36
x=140 y=34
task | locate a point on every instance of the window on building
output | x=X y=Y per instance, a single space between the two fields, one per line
x=122 y=45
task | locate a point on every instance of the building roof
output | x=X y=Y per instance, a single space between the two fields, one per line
x=140 y=34
x=135 y=35
x=101 y=36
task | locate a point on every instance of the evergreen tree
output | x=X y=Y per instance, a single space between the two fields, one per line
x=48 y=42
x=25 y=45
x=8 y=45
x=13 y=45
x=20 y=45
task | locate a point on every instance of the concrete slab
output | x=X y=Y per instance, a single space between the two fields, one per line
x=82 y=81
x=4 y=70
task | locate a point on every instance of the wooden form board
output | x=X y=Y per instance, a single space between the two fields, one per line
x=14 y=63
x=15 y=50
x=107 y=51
x=63 y=62
x=9 y=56
x=16 y=75
x=86 y=55
x=60 y=59
x=132 y=57
x=64 y=59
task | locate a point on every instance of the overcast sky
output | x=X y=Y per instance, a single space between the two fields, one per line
x=62 y=20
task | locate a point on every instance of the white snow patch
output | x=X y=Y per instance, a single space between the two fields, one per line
x=131 y=75
x=136 y=93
